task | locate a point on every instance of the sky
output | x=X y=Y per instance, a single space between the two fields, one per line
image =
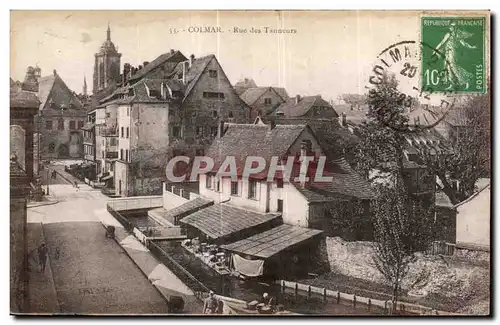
x=331 y=53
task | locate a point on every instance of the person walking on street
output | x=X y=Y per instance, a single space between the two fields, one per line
x=42 y=257
x=210 y=305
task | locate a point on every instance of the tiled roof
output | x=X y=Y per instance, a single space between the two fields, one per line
x=345 y=183
x=156 y=63
x=291 y=108
x=273 y=241
x=195 y=71
x=220 y=220
x=183 y=210
x=282 y=92
x=45 y=85
x=243 y=140
x=251 y=95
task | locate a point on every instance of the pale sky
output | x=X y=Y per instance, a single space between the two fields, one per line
x=331 y=53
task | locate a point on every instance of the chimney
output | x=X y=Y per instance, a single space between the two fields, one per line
x=185 y=68
x=191 y=59
x=126 y=72
x=172 y=51
x=220 y=129
x=145 y=63
x=140 y=67
x=343 y=119
x=55 y=72
x=297 y=99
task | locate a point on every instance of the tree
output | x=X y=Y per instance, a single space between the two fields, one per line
x=394 y=244
x=469 y=135
x=401 y=220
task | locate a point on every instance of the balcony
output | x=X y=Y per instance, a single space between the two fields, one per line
x=108 y=131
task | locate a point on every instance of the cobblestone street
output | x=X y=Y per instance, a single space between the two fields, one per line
x=91 y=274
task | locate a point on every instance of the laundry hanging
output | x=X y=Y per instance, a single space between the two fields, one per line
x=248 y=267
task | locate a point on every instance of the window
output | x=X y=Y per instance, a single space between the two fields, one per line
x=217 y=185
x=280 y=205
x=111 y=167
x=127 y=132
x=52 y=147
x=199 y=130
x=60 y=124
x=103 y=142
x=279 y=183
x=102 y=154
x=212 y=73
x=128 y=111
x=121 y=154
x=80 y=124
x=208 y=184
x=179 y=76
x=214 y=113
x=108 y=114
x=230 y=114
x=122 y=132
x=267 y=101
x=234 y=188
x=176 y=131
x=208 y=94
x=72 y=125
x=126 y=155
x=252 y=189
x=48 y=125
x=213 y=131
x=112 y=142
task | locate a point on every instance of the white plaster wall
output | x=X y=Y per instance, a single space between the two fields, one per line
x=473 y=221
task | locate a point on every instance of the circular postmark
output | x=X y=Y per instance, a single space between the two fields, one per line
x=397 y=96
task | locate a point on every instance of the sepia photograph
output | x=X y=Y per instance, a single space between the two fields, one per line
x=250 y=163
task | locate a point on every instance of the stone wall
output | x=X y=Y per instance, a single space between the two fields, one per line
x=18 y=273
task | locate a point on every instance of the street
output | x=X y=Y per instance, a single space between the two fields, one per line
x=91 y=274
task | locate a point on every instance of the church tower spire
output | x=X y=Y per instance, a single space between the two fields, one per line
x=108 y=34
x=84 y=85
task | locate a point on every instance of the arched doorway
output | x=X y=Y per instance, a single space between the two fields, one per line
x=63 y=150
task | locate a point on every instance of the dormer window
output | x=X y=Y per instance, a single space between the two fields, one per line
x=267 y=101
x=212 y=73
x=131 y=92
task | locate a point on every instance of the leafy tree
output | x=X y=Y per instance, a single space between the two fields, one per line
x=469 y=132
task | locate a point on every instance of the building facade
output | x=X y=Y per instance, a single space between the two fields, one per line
x=60 y=120
x=263 y=100
x=23 y=107
x=168 y=107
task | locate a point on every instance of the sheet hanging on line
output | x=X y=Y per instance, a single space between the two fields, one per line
x=248 y=267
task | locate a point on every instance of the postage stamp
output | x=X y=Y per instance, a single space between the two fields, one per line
x=455 y=59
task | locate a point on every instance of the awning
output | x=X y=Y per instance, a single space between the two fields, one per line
x=88 y=126
x=105 y=178
x=273 y=241
x=220 y=220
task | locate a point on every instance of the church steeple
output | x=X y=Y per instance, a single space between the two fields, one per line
x=107 y=65
x=84 y=85
x=108 y=34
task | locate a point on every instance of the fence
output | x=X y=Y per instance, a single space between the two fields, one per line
x=177 y=269
x=403 y=308
x=441 y=248
x=136 y=203
x=181 y=190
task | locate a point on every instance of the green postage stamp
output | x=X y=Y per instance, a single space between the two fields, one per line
x=453 y=54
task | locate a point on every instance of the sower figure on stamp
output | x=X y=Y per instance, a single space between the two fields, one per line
x=42 y=257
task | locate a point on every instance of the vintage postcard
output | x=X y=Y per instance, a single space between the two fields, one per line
x=250 y=163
